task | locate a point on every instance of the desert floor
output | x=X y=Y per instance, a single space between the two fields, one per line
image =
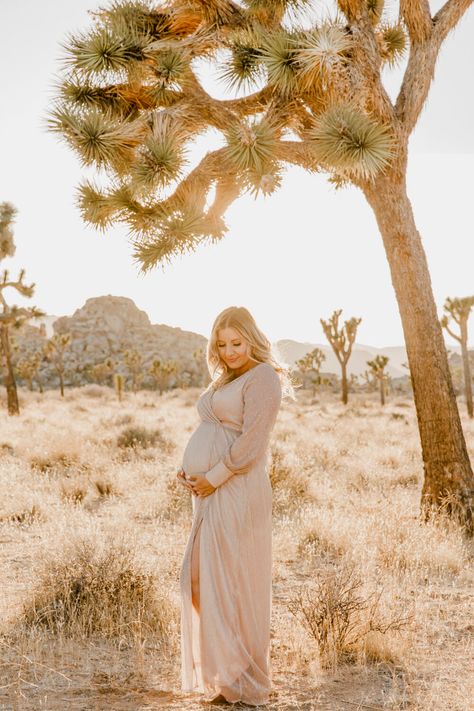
x=92 y=534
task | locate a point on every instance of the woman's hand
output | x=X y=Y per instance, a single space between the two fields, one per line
x=201 y=486
x=181 y=477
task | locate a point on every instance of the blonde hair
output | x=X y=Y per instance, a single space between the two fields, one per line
x=261 y=351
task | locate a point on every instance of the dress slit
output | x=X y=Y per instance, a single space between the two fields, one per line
x=196 y=533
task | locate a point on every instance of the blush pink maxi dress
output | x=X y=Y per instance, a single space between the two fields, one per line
x=225 y=649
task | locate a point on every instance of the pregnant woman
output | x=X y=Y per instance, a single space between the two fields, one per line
x=225 y=578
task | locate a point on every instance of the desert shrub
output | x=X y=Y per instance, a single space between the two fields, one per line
x=142 y=438
x=343 y=620
x=96 y=587
x=6 y=449
x=405 y=479
x=73 y=493
x=52 y=461
x=105 y=488
x=316 y=543
x=290 y=486
x=177 y=501
x=399 y=416
x=407 y=543
x=24 y=514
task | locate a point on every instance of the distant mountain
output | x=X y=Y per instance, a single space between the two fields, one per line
x=291 y=351
x=106 y=324
x=104 y=327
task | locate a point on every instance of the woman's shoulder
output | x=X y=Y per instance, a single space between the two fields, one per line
x=265 y=375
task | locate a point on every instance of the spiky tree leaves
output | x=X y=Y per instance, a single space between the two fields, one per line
x=180 y=232
x=97 y=137
x=104 y=51
x=251 y=146
x=159 y=160
x=351 y=143
x=131 y=101
x=321 y=55
x=392 y=41
x=7 y=216
x=280 y=59
x=244 y=67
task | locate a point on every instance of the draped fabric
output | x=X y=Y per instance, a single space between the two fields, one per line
x=226 y=647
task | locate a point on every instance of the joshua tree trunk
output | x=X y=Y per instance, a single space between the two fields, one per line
x=61 y=383
x=467 y=369
x=345 y=396
x=382 y=391
x=9 y=378
x=447 y=468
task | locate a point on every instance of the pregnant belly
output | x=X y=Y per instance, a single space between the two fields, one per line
x=205 y=447
x=197 y=456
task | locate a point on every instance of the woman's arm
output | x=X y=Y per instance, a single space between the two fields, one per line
x=262 y=397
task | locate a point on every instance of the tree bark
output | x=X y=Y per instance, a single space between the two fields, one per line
x=467 y=368
x=382 y=391
x=448 y=476
x=9 y=378
x=344 y=384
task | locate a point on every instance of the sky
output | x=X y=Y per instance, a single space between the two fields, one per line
x=291 y=258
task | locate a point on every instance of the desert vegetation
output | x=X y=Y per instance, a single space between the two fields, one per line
x=310 y=92
x=93 y=528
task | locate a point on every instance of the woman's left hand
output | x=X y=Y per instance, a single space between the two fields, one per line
x=201 y=486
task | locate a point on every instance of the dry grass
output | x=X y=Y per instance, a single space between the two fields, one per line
x=94 y=586
x=93 y=526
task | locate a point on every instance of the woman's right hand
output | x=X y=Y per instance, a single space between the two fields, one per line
x=181 y=477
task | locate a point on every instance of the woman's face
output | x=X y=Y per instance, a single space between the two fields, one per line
x=232 y=348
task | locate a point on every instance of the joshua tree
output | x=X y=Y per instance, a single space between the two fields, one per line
x=11 y=316
x=161 y=371
x=312 y=362
x=201 y=364
x=134 y=362
x=131 y=101
x=341 y=339
x=353 y=381
x=119 y=382
x=103 y=372
x=54 y=350
x=460 y=310
x=28 y=367
x=377 y=368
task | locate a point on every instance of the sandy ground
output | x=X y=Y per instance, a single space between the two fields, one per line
x=347 y=483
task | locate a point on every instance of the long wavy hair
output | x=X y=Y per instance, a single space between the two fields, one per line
x=261 y=350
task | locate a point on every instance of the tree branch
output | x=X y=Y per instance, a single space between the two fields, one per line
x=421 y=64
x=298 y=153
x=417 y=17
x=248 y=104
x=448 y=17
x=452 y=334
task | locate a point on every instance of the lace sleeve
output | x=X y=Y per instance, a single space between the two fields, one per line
x=262 y=397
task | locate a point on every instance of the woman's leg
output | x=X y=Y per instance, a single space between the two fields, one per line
x=195 y=569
